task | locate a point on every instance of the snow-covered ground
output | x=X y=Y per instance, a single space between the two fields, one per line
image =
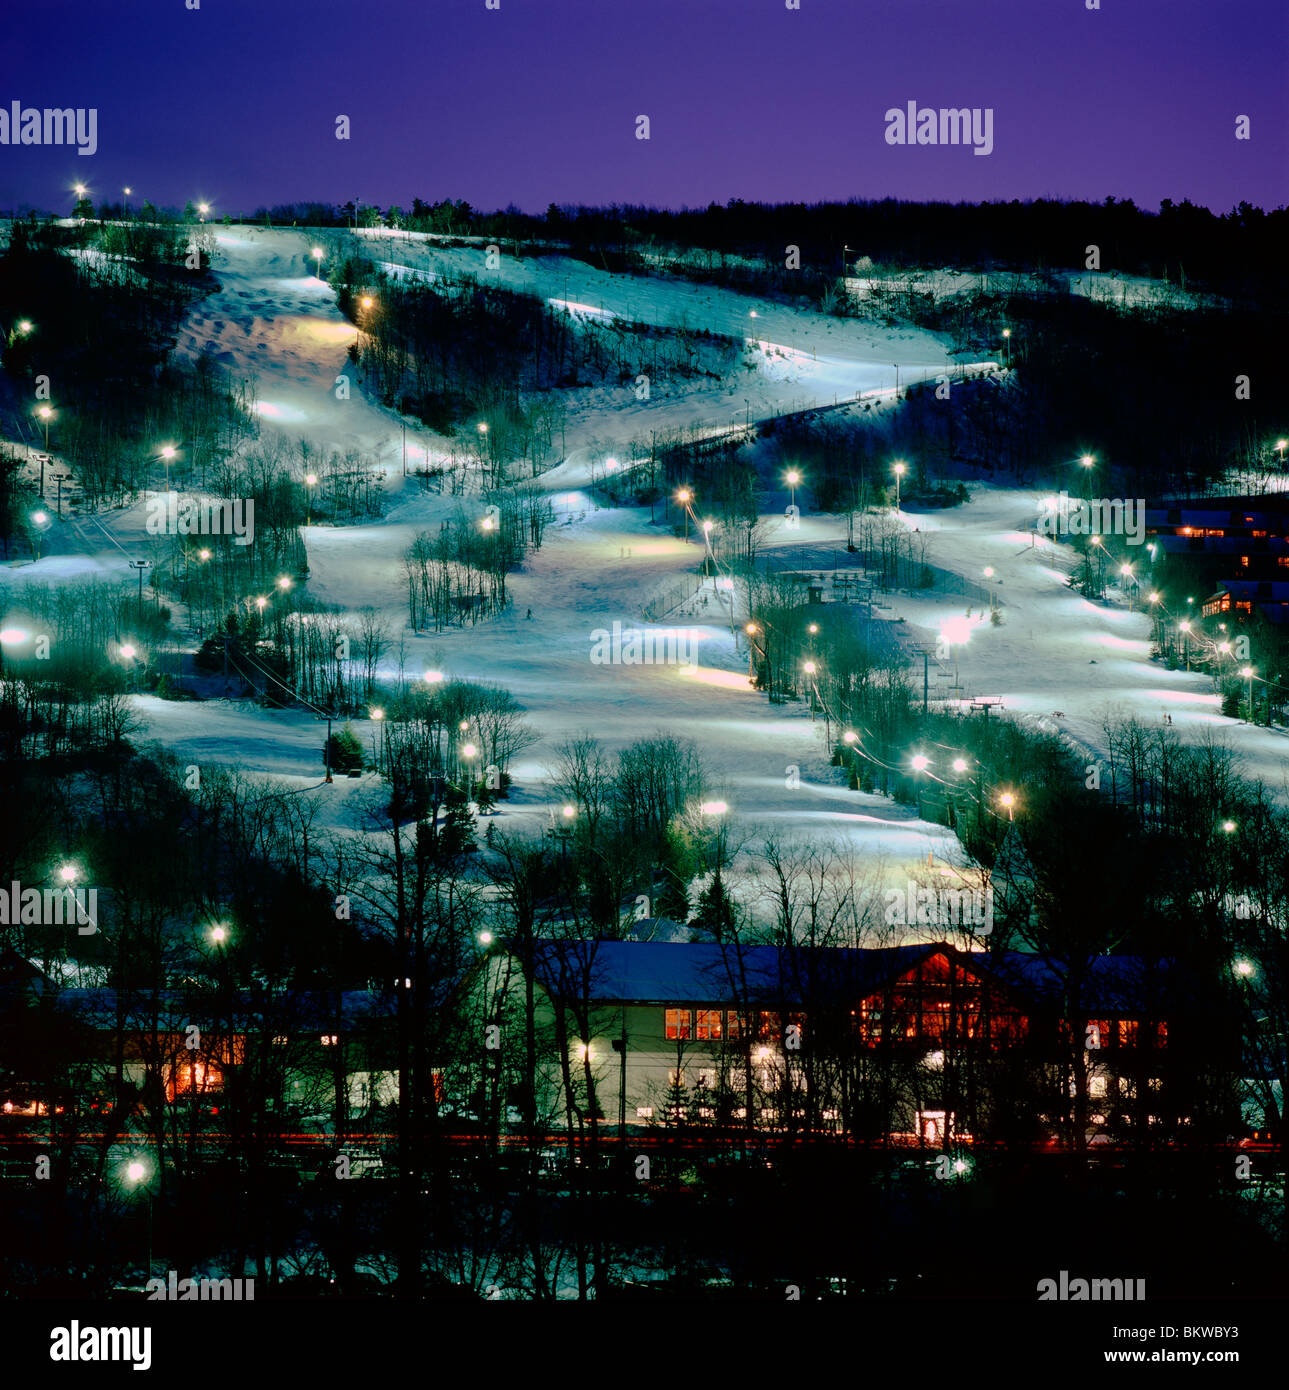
x=1056 y=659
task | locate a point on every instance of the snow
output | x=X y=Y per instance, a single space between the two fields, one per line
x=1053 y=652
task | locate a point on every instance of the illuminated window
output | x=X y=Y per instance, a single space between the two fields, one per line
x=1127 y=1032
x=676 y=1076
x=281 y=1040
x=679 y=1023
x=932 y=1126
x=1097 y=1086
x=330 y=1040
x=734 y=1025
x=708 y=1024
x=706 y=1078
x=644 y=1112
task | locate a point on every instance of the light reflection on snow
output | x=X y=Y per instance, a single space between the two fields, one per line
x=286 y=414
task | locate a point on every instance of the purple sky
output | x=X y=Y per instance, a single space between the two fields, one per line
x=536 y=102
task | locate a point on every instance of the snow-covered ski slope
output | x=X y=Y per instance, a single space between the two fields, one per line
x=273 y=320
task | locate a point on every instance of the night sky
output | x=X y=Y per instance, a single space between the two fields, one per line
x=235 y=103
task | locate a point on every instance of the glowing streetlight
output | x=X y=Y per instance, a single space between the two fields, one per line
x=283 y=583
x=316 y=253
x=25 y=326
x=1245 y=969
x=960 y=764
x=203 y=208
x=67 y=872
x=920 y=762
x=898 y=469
x=367 y=301
x=850 y=736
x=1228 y=827
x=260 y=603
x=989 y=575
x=128 y=650
x=485 y=938
x=219 y=934
x=469 y=751
x=46 y=414
x=1008 y=801
x=1007 y=343
x=136 y=1172
x=809 y=668
x=568 y=812
x=792 y=478
x=714 y=808
x=203 y=554
x=487 y=523
x=434 y=677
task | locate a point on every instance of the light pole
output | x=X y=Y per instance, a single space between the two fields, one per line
x=989 y=575
x=684 y=496
x=40 y=520
x=46 y=414
x=1007 y=344
x=1185 y=628
x=167 y=457
x=139 y=565
x=60 y=479
x=1125 y=573
x=899 y=473
x=792 y=478
x=378 y=716
x=310 y=482
x=316 y=253
x=126 y=191
x=137 y=1174
x=1009 y=802
x=920 y=762
x=1088 y=463
x=1248 y=673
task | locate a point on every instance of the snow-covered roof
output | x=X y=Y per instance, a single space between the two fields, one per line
x=697 y=973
